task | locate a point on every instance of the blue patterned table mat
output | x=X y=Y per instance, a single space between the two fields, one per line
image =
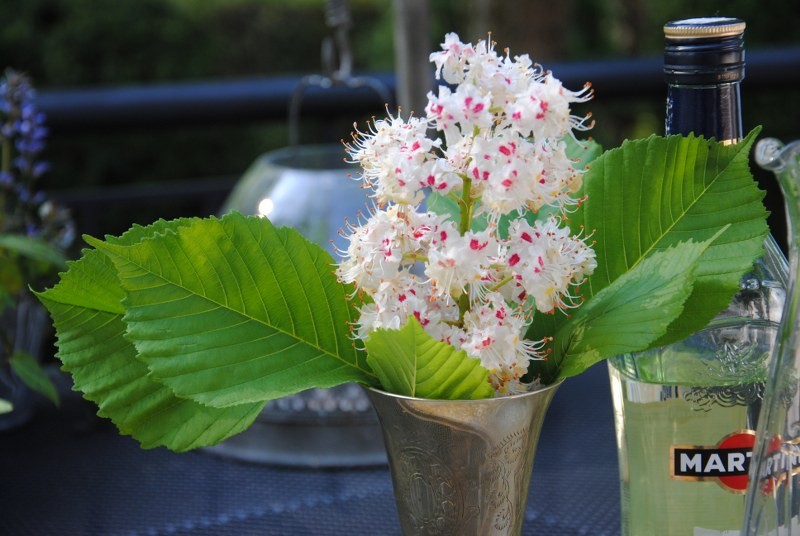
x=68 y=474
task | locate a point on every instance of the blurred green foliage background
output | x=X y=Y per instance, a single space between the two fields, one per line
x=90 y=43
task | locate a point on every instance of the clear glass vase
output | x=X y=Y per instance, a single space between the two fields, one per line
x=684 y=417
x=686 y=413
x=773 y=497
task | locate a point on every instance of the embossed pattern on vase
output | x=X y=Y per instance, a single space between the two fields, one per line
x=461 y=467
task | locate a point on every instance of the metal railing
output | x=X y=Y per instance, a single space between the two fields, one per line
x=97 y=211
x=267 y=99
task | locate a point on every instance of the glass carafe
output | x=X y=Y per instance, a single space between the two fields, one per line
x=773 y=496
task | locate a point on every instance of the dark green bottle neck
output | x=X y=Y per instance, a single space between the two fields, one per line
x=709 y=111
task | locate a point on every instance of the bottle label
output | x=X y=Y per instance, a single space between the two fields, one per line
x=782 y=461
x=727 y=462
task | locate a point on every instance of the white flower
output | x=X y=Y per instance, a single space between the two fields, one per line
x=501 y=78
x=442 y=112
x=439 y=176
x=459 y=154
x=375 y=251
x=502 y=158
x=456 y=261
x=391 y=157
x=397 y=299
x=451 y=61
x=494 y=334
x=543 y=111
x=506 y=169
x=517 y=75
x=545 y=261
x=559 y=180
x=462 y=113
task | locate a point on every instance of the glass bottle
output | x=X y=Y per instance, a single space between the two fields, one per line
x=703 y=68
x=685 y=413
x=704 y=65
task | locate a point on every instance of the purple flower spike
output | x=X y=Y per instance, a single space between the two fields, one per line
x=23 y=131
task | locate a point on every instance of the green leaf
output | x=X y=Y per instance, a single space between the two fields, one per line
x=86 y=309
x=32 y=375
x=235 y=311
x=410 y=362
x=648 y=195
x=137 y=232
x=704 y=187
x=33 y=248
x=632 y=312
x=582 y=152
x=5 y=406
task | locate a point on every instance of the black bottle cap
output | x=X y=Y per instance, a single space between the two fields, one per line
x=704 y=51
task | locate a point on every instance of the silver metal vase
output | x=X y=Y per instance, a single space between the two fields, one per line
x=461 y=467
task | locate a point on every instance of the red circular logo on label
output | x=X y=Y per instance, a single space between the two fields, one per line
x=740 y=442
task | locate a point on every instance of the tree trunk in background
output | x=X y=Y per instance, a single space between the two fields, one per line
x=479 y=20
x=535 y=27
x=412 y=44
x=541 y=28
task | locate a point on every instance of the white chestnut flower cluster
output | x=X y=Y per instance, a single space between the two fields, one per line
x=501 y=160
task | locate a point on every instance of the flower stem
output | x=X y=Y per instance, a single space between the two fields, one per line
x=463 y=306
x=500 y=284
x=415 y=257
x=466 y=203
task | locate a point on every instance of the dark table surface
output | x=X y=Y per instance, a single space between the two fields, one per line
x=67 y=473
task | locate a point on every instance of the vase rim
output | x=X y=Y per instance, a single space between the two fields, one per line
x=514 y=396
